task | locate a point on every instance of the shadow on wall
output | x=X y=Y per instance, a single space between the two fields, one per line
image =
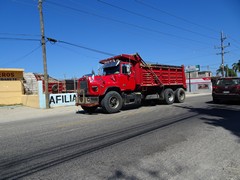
x=225 y=115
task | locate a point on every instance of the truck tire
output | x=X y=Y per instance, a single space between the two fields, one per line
x=112 y=102
x=169 y=96
x=89 y=110
x=180 y=95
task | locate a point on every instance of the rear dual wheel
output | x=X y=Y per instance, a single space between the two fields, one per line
x=180 y=95
x=169 y=96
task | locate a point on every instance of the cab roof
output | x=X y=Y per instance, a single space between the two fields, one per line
x=123 y=57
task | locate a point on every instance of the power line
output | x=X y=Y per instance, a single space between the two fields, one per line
x=177 y=17
x=76 y=52
x=80 y=46
x=156 y=20
x=90 y=49
x=125 y=23
x=28 y=3
x=23 y=57
x=18 y=39
x=235 y=42
x=190 y=58
x=18 y=34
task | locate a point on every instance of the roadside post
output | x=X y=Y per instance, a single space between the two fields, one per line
x=189 y=70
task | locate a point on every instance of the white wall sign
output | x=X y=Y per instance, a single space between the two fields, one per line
x=64 y=99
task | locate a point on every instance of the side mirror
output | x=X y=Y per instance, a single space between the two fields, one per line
x=128 y=68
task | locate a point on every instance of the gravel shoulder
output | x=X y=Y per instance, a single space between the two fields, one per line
x=17 y=113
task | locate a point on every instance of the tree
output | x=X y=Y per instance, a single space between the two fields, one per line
x=236 y=66
x=231 y=73
x=227 y=71
x=219 y=71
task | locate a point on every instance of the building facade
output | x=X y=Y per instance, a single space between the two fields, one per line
x=11 y=86
x=199 y=81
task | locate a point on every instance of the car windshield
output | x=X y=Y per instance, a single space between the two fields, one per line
x=227 y=82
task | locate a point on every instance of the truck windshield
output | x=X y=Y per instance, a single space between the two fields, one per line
x=111 y=68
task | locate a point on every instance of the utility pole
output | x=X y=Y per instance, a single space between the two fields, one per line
x=222 y=47
x=43 y=42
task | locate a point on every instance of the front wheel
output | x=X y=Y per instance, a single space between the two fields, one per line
x=169 y=96
x=112 y=102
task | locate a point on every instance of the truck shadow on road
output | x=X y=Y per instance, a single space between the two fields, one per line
x=96 y=112
x=221 y=115
x=99 y=110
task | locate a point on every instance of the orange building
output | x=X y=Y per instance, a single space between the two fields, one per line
x=11 y=86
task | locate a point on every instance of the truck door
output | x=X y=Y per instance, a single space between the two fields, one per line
x=127 y=80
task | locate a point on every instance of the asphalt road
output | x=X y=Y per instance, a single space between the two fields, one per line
x=193 y=140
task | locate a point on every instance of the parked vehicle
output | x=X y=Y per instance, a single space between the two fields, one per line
x=226 y=89
x=127 y=79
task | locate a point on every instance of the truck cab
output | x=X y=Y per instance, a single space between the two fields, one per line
x=115 y=77
x=119 y=74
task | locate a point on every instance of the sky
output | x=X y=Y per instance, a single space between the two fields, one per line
x=174 y=32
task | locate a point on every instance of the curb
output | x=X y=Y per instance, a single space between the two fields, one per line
x=197 y=94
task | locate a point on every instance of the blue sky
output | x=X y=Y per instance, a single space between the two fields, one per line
x=165 y=32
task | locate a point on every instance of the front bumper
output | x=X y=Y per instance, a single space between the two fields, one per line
x=84 y=100
x=228 y=97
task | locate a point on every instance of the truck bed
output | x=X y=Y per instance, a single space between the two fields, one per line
x=158 y=74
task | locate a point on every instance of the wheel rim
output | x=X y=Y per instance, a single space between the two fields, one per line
x=181 y=96
x=170 y=97
x=114 y=102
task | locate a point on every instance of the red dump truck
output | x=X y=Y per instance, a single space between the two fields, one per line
x=127 y=79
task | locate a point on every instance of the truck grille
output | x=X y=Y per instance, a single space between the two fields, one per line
x=84 y=86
